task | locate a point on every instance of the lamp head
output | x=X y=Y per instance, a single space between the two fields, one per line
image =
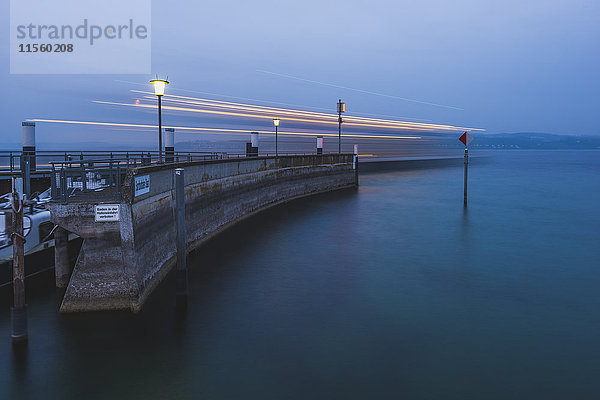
x=159 y=86
x=276 y=121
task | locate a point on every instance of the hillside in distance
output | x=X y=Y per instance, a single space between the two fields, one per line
x=528 y=140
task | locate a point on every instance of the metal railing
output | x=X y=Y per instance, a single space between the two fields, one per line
x=71 y=179
x=274 y=154
x=11 y=161
x=96 y=175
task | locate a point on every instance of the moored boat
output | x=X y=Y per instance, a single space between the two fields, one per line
x=39 y=238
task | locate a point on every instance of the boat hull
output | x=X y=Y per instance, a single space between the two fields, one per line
x=39 y=261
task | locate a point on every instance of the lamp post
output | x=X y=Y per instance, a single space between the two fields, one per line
x=159 y=90
x=276 y=122
x=341 y=107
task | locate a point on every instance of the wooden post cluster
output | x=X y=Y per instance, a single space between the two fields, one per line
x=19 y=309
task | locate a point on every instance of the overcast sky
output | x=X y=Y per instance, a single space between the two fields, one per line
x=508 y=66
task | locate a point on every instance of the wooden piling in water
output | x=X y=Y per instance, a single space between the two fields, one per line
x=62 y=267
x=19 y=310
x=181 y=273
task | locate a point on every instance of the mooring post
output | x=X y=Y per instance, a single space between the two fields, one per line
x=27 y=176
x=62 y=270
x=466 y=172
x=28 y=132
x=252 y=145
x=169 y=145
x=19 y=310
x=254 y=141
x=181 y=273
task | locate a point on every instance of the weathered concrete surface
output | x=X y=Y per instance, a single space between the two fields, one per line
x=62 y=269
x=122 y=262
x=101 y=274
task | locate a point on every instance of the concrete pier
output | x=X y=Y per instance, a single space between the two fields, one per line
x=125 y=257
x=62 y=269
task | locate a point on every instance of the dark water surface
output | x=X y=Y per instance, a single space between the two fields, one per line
x=391 y=291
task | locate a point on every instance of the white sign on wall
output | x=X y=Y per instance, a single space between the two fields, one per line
x=142 y=184
x=107 y=213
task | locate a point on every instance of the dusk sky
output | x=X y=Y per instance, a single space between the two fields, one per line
x=511 y=66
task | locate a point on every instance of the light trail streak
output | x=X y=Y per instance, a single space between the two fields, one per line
x=270 y=111
x=256 y=108
x=221 y=131
x=254 y=111
x=262 y=101
x=250 y=107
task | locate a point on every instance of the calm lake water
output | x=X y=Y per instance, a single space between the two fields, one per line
x=389 y=291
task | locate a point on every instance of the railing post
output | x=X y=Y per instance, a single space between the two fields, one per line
x=63 y=184
x=119 y=180
x=110 y=174
x=27 y=177
x=53 y=183
x=83 y=178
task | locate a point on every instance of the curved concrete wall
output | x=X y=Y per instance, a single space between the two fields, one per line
x=122 y=262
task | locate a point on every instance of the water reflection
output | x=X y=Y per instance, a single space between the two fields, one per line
x=394 y=290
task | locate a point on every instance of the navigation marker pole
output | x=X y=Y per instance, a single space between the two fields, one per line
x=466 y=173
x=466 y=139
x=341 y=108
x=356 y=164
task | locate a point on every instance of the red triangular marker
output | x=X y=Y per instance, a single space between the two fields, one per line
x=466 y=138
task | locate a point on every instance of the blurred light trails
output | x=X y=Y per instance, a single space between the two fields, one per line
x=191 y=104
x=330 y=117
x=267 y=101
x=219 y=130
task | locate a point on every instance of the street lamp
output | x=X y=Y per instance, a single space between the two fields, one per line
x=159 y=90
x=276 y=122
x=341 y=107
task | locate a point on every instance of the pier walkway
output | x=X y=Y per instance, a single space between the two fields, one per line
x=124 y=211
